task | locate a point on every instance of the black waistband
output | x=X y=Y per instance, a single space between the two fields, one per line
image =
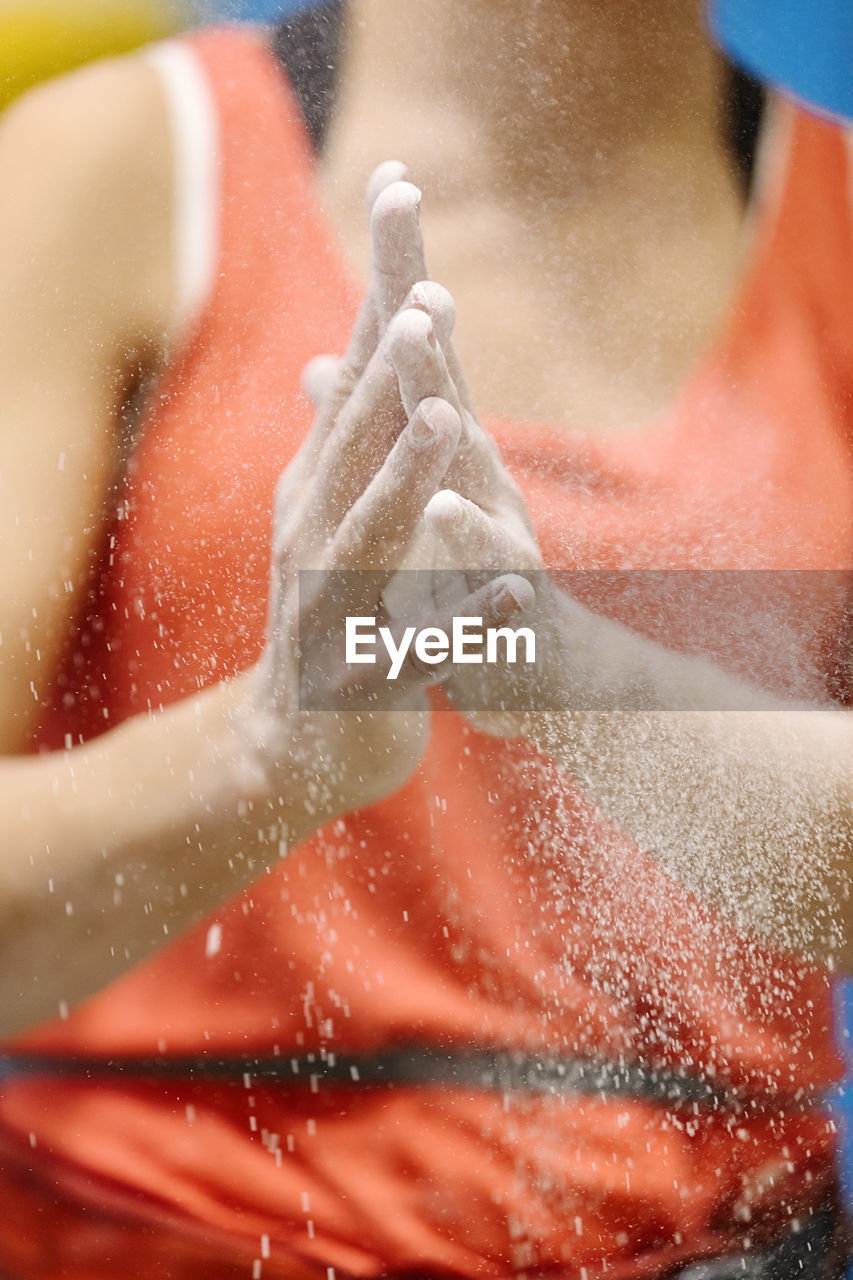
x=816 y=1247
x=417 y=1065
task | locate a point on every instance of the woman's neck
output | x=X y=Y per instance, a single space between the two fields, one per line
x=552 y=94
x=578 y=197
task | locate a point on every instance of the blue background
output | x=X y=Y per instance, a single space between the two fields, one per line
x=804 y=46
x=843 y=1099
x=263 y=11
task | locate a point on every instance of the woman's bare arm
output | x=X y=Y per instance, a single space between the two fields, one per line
x=109 y=849
x=85 y=301
x=742 y=795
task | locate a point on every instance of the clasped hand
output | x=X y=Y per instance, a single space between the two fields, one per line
x=396 y=475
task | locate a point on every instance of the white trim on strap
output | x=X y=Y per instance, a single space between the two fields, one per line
x=196 y=177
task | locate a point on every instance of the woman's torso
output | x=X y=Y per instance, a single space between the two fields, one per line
x=488 y=904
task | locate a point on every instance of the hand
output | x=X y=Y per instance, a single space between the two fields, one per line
x=478 y=523
x=353 y=500
x=494 y=531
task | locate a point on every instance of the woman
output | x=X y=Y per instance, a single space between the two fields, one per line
x=590 y=1069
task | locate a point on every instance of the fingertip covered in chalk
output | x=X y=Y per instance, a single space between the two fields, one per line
x=386 y=173
x=512 y=594
x=445 y=509
x=318 y=377
x=408 y=334
x=437 y=302
x=394 y=216
x=440 y=417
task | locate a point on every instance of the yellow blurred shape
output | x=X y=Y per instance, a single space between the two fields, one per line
x=43 y=38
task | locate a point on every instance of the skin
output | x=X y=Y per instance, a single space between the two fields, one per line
x=751 y=806
x=529 y=225
x=183 y=808
x=141 y=851
x=600 y=218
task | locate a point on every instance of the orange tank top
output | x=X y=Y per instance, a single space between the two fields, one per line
x=488 y=905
